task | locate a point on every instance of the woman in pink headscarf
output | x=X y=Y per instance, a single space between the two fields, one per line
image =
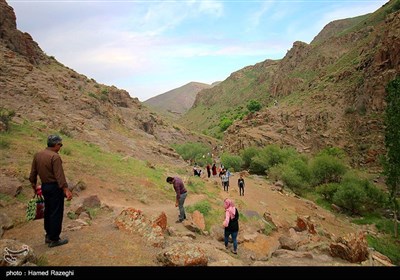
x=231 y=224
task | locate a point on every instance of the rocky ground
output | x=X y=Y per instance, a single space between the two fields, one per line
x=303 y=234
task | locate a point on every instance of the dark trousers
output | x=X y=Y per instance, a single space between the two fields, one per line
x=53 y=210
x=241 y=190
x=234 y=238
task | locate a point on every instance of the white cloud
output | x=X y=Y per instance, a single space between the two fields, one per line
x=213 y=8
x=256 y=17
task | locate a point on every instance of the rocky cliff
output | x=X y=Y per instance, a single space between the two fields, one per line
x=328 y=93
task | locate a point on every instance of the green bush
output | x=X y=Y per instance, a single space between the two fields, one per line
x=375 y=198
x=332 y=151
x=328 y=190
x=350 y=197
x=232 y=162
x=203 y=206
x=289 y=176
x=247 y=155
x=253 y=105
x=269 y=156
x=327 y=169
x=295 y=174
x=191 y=151
x=259 y=165
x=6 y=116
x=225 y=123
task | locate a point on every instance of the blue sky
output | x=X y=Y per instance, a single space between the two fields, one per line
x=150 y=47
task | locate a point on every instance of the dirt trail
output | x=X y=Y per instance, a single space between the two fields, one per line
x=102 y=244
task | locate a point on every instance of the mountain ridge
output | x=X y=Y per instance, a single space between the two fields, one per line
x=330 y=92
x=178 y=101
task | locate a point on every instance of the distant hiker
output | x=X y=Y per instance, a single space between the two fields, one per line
x=48 y=165
x=241 y=185
x=275 y=102
x=214 y=169
x=225 y=180
x=181 y=194
x=228 y=174
x=208 y=167
x=231 y=224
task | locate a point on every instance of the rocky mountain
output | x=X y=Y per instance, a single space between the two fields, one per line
x=42 y=91
x=327 y=93
x=176 y=102
x=122 y=213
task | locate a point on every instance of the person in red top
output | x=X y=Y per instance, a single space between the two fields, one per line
x=181 y=194
x=48 y=165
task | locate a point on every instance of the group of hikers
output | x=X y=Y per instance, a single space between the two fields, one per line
x=230 y=223
x=223 y=174
x=47 y=165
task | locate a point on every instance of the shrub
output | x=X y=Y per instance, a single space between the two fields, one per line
x=247 y=155
x=231 y=162
x=191 y=151
x=225 y=123
x=6 y=116
x=295 y=174
x=327 y=169
x=203 y=207
x=253 y=106
x=328 y=190
x=351 y=197
x=288 y=175
x=374 y=197
x=333 y=151
x=269 y=156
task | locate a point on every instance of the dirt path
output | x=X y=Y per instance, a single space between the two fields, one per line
x=102 y=244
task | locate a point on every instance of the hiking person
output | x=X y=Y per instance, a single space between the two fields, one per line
x=225 y=180
x=241 y=185
x=181 y=194
x=214 y=169
x=231 y=224
x=208 y=167
x=48 y=165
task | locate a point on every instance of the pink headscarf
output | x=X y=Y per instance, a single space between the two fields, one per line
x=230 y=208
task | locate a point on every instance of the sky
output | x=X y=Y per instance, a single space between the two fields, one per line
x=150 y=47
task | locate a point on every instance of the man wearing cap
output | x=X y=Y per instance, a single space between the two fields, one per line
x=48 y=165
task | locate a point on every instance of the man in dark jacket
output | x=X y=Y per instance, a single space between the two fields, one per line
x=48 y=165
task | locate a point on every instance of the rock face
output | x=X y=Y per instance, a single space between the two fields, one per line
x=183 y=254
x=330 y=92
x=134 y=220
x=353 y=248
x=17 y=41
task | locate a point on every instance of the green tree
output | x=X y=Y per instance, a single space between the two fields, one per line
x=253 y=106
x=392 y=143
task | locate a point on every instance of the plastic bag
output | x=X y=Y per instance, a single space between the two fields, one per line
x=35 y=209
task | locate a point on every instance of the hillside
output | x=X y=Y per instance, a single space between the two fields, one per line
x=176 y=102
x=116 y=155
x=329 y=92
x=42 y=91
